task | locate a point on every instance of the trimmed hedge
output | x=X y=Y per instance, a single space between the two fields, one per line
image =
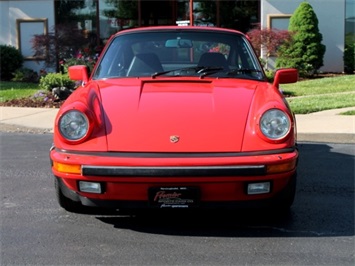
x=10 y=60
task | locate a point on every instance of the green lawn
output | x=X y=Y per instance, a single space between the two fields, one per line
x=320 y=94
x=352 y=112
x=14 y=90
x=316 y=103
x=318 y=86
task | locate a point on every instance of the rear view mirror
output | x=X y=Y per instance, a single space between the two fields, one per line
x=178 y=43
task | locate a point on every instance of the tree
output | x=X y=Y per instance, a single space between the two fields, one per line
x=267 y=39
x=65 y=10
x=236 y=14
x=304 y=51
x=123 y=9
x=64 y=42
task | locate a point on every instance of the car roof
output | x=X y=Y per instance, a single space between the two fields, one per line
x=178 y=28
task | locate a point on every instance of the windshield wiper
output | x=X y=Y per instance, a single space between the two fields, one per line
x=243 y=71
x=197 y=69
x=205 y=71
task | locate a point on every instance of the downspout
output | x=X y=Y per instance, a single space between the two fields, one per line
x=139 y=14
x=218 y=14
x=98 y=24
x=191 y=12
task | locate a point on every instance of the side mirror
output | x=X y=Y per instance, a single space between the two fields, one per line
x=79 y=72
x=285 y=75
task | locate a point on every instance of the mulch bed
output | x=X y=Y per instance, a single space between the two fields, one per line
x=30 y=102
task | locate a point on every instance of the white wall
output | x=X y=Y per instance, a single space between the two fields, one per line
x=331 y=18
x=10 y=11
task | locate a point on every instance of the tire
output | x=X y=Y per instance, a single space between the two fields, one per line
x=64 y=202
x=284 y=201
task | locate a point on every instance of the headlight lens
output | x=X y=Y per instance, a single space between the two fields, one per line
x=275 y=124
x=74 y=125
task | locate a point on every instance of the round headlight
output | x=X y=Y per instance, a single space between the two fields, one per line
x=275 y=124
x=73 y=125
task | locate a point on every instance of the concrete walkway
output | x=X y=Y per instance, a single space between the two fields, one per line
x=325 y=126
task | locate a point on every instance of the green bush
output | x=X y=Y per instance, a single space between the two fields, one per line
x=78 y=61
x=349 y=58
x=10 y=60
x=54 y=80
x=304 y=51
x=270 y=75
x=25 y=75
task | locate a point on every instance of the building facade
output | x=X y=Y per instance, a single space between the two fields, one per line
x=336 y=23
x=96 y=20
x=20 y=20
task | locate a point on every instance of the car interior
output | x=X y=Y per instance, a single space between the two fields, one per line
x=144 y=56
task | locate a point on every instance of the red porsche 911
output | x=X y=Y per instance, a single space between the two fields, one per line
x=175 y=117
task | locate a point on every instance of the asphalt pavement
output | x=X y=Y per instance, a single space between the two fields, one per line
x=325 y=126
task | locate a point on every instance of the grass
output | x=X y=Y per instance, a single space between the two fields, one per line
x=304 y=97
x=319 y=86
x=352 y=112
x=321 y=94
x=316 y=103
x=14 y=90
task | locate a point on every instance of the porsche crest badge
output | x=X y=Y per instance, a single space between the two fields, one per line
x=174 y=138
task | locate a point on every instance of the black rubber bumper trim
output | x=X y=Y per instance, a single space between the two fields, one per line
x=248 y=170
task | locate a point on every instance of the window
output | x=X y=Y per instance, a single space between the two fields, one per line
x=26 y=28
x=279 y=22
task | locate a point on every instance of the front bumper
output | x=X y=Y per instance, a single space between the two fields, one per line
x=127 y=177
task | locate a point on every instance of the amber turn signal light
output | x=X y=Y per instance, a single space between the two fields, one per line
x=67 y=168
x=280 y=168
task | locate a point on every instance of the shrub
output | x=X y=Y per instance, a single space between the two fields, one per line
x=81 y=59
x=349 y=58
x=267 y=39
x=64 y=43
x=25 y=75
x=55 y=80
x=270 y=74
x=60 y=42
x=10 y=60
x=305 y=50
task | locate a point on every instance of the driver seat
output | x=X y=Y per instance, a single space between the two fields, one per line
x=144 y=64
x=213 y=59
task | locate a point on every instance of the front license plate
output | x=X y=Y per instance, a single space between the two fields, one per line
x=174 y=197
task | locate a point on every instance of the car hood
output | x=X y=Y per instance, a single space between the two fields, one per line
x=158 y=115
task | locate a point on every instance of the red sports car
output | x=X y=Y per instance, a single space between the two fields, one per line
x=175 y=117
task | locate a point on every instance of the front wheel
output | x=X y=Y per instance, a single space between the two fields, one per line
x=64 y=202
x=285 y=199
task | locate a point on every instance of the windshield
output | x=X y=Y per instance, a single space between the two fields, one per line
x=179 y=53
